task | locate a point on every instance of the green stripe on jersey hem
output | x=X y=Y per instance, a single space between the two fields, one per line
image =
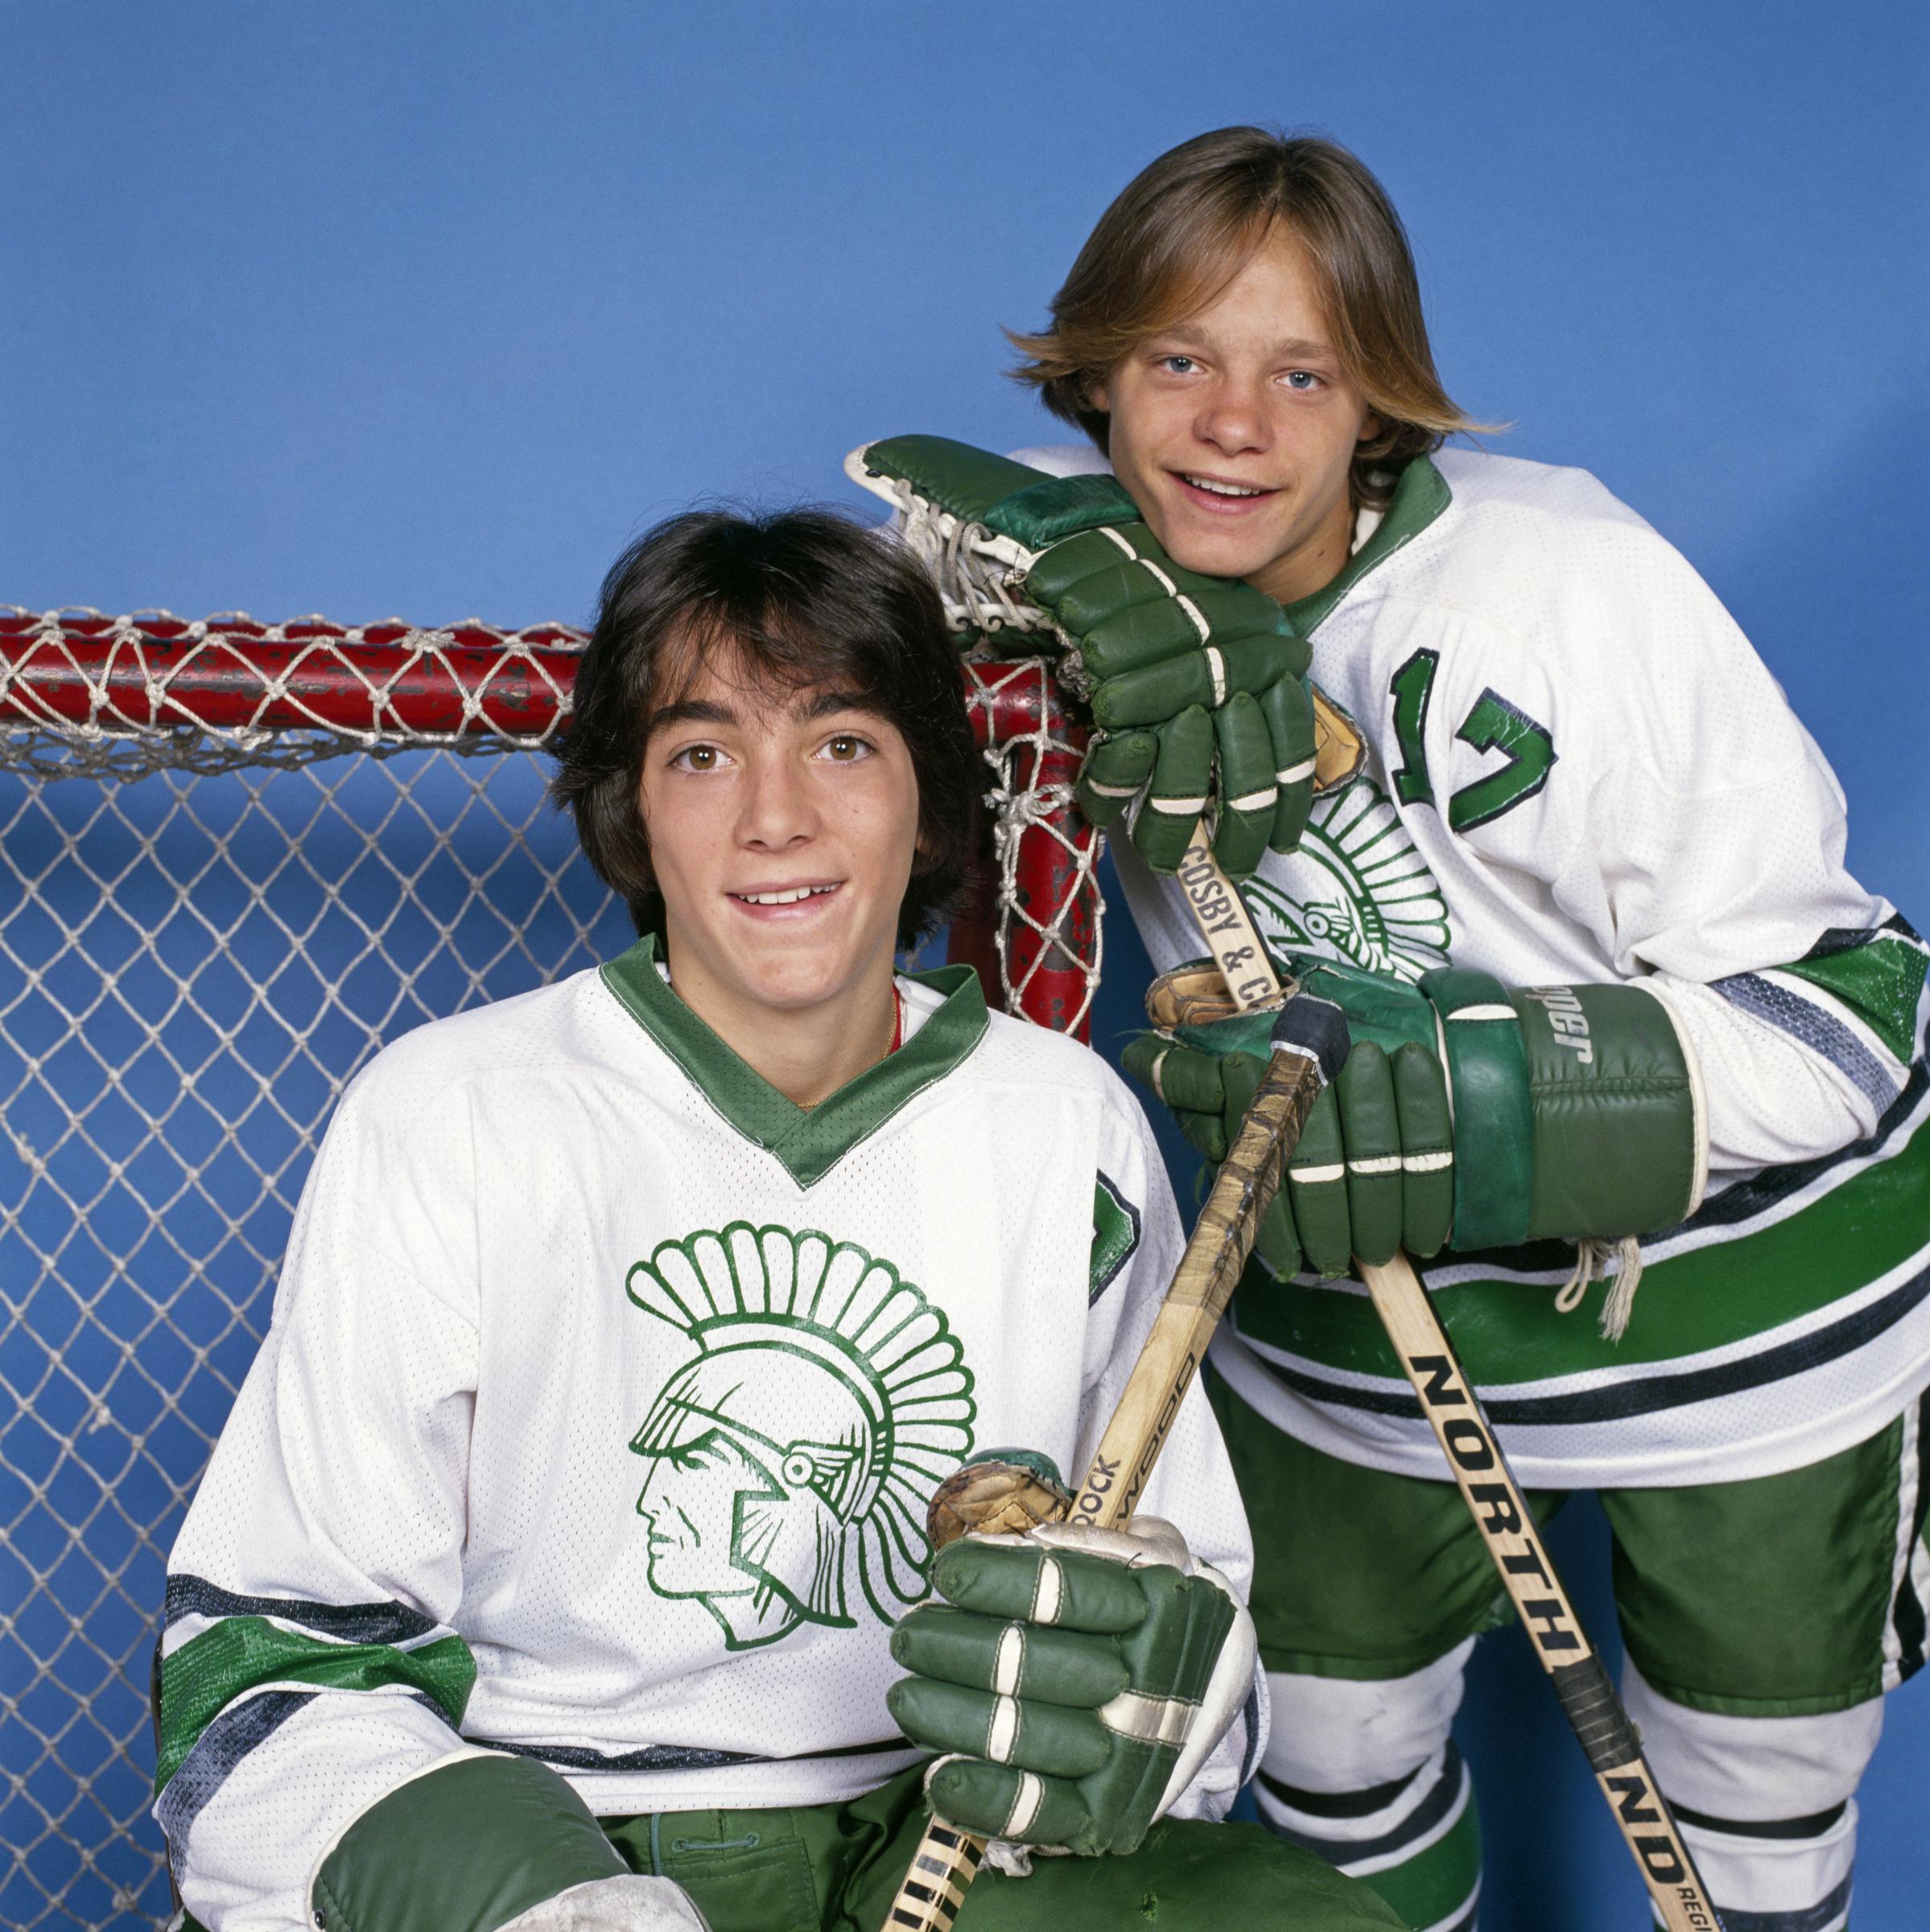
x=1713 y=1296
x=808 y=1141
x=1420 y=496
x=209 y=1672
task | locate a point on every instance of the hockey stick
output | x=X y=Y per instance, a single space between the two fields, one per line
x=1309 y=1042
x=1588 y=1700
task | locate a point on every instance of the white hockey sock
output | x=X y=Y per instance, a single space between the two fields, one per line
x=1765 y=1803
x=1791 y=1874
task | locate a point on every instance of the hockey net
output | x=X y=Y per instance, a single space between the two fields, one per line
x=235 y=858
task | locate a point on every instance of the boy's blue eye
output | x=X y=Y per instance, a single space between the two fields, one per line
x=1179 y=365
x=1302 y=378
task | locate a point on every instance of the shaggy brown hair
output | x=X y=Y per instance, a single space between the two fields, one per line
x=1185 y=226
x=779 y=603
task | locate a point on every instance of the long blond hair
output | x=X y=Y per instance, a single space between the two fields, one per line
x=1182 y=229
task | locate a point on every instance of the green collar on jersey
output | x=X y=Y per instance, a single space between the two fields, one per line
x=809 y=1141
x=1420 y=496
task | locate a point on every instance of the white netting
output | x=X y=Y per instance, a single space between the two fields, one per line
x=204 y=933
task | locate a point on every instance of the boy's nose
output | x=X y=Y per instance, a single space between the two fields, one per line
x=1234 y=418
x=778 y=810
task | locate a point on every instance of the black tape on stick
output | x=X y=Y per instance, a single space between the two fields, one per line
x=1588 y=1696
x=1316 y=1030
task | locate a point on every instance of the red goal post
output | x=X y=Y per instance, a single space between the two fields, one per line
x=1032 y=928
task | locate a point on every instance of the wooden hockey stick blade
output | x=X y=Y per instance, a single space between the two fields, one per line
x=1574 y=1666
x=1309 y=1042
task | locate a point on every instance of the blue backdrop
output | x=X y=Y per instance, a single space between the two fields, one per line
x=426 y=309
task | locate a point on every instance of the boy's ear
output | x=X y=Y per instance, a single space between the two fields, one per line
x=1096 y=398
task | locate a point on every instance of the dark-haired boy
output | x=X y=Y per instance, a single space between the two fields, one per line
x=546 y=1574
x=1586 y=903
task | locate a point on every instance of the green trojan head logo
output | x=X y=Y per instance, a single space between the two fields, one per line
x=793 y=1454
x=1357 y=889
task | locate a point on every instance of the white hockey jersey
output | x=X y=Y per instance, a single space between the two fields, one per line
x=604 y=1396
x=1578 y=769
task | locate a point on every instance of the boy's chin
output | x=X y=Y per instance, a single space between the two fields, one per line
x=785 y=981
x=1216 y=553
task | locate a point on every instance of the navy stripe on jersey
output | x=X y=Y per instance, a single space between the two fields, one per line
x=240 y=1729
x=1644 y=1395
x=1744 y=1200
x=390 y=1623
x=1249 y=1716
x=1809 y=1025
x=1848 y=939
x=219 y=1749
x=673 y=1757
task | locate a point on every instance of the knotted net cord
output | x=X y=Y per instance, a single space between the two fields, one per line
x=971 y=566
x=1049 y=937
x=235 y=859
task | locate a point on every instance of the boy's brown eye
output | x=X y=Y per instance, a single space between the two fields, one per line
x=842 y=747
x=702 y=758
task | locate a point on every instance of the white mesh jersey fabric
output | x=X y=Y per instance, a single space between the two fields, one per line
x=1687 y=827
x=442 y=1417
x=1688 y=831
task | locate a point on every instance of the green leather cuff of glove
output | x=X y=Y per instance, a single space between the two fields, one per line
x=1010 y=499
x=1494 y=1121
x=1577 y=1110
x=1621 y=1143
x=465 y=1847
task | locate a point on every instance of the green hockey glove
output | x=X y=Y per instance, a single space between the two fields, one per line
x=1074 y=1680
x=1468 y=1113
x=1196 y=683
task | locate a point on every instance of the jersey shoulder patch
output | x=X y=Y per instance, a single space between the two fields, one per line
x=1115 y=1232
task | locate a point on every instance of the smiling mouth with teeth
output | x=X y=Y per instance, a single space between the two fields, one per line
x=1227 y=490
x=791 y=898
